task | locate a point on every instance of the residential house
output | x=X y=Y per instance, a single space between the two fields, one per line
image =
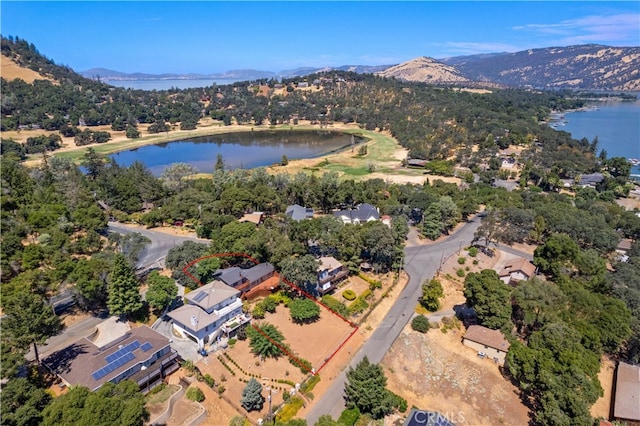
x=386 y=220
x=626 y=403
x=258 y=280
x=416 y=162
x=141 y=354
x=255 y=218
x=330 y=273
x=363 y=213
x=488 y=343
x=517 y=270
x=297 y=212
x=209 y=312
x=591 y=180
x=623 y=248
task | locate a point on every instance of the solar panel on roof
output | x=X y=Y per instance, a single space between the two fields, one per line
x=122 y=351
x=146 y=346
x=200 y=296
x=114 y=365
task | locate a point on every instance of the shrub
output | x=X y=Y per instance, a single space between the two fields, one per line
x=349 y=417
x=290 y=409
x=460 y=272
x=462 y=260
x=209 y=380
x=335 y=305
x=258 y=311
x=359 y=305
x=194 y=393
x=420 y=324
x=232 y=341
x=473 y=251
x=349 y=294
x=365 y=294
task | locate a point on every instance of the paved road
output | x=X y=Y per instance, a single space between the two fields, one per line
x=161 y=243
x=421 y=262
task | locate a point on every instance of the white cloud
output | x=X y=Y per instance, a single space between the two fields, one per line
x=606 y=29
x=473 y=48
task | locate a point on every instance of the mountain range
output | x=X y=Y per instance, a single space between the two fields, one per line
x=590 y=66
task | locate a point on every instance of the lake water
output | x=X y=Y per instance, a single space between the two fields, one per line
x=615 y=123
x=168 y=84
x=239 y=150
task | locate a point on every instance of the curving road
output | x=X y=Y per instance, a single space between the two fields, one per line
x=421 y=262
x=161 y=243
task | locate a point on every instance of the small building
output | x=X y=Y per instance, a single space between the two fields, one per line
x=416 y=162
x=141 y=354
x=330 y=273
x=487 y=342
x=297 y=212
x=386 y=220
x=361 y=214
x=517 y=270
x=209 y=312
x=626 y=403
x=260 y=279
x=591 y=180
x=255 y=217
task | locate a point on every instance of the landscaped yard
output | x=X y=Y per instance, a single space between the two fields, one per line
x=314 y=342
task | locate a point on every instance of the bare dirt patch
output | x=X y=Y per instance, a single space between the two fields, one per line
x=602 y=407
x=434 y=371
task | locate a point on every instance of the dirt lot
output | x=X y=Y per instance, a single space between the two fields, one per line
x=434 y=371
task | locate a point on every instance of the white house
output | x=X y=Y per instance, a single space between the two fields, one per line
x=330 y=272
x=361 y=214
x=209 y=312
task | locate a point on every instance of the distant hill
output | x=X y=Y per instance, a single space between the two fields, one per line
x=590 y=66
x=426 y=70
x=110 y=75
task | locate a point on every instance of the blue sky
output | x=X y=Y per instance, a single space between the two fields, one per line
x=213 y=36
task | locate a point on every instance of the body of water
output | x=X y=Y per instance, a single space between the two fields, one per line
x=239 y=150
x=615 y=123
x=168 y=84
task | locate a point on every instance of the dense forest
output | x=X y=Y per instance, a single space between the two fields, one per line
x=54 y=220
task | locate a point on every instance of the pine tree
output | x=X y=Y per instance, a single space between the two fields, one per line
x=252 y=396
x=123 y=295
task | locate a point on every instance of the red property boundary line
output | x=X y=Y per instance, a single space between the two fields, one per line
x=296 y=360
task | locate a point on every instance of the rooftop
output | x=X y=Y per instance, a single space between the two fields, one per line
x=210 y=295
x=627 y=400
x=485 y=336
x=516 y=265
x=328 y=262
x=83 y=363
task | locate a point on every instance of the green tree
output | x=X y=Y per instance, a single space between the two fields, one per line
x=194 y=393
x=29 y=321
x=111 y=405
x=180 y=256
x=301 y=271
x=261 y=341
x=556 y=255
x=252 y=399
x=304 y=310
x=123 y=294
x=162 y=290
x=431 y=294
x=420 y=323
x=22 y=403
x=489 y=297
x=366 y=389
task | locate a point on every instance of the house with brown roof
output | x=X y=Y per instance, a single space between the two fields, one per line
x=330 y=273
x=141 y=354
x=487 y=342
x=260 y=279
x=255 y=218
x=626 y=403
x=211 y=311
x=517 y=270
